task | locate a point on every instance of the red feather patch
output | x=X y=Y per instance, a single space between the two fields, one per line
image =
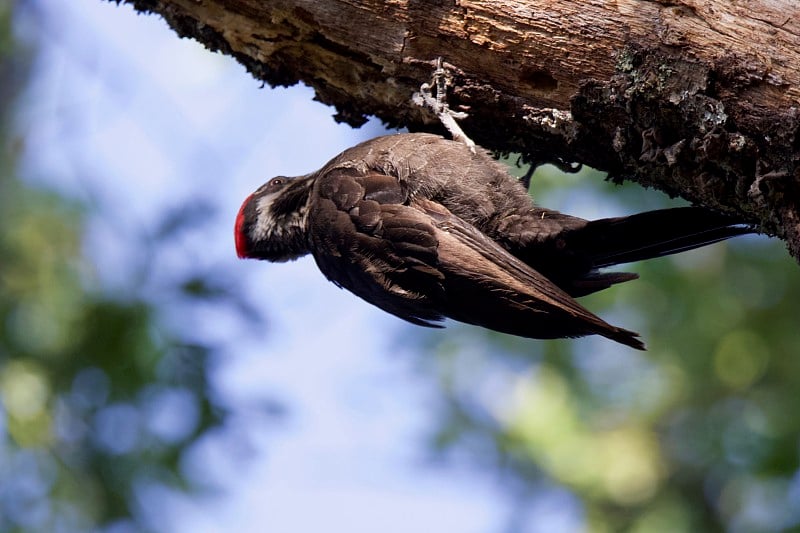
x=239 y=235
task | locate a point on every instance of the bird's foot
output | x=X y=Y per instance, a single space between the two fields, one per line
x=437 y=103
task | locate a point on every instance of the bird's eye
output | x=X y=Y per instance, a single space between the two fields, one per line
x=274 y=184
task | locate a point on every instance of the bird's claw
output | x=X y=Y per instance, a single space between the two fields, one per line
x=437 y=103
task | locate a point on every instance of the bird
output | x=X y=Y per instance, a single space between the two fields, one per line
x=426 y=228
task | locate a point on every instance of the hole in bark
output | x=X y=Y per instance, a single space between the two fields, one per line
x=539 y=79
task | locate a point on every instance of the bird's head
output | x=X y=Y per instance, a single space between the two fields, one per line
x=271 y=223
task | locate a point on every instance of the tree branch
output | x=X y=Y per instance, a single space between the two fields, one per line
x=699 y=99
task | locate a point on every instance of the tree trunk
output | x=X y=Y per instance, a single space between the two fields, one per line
x=697 y=98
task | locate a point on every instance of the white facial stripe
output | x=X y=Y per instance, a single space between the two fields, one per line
x=264 y=225
x=267 y=226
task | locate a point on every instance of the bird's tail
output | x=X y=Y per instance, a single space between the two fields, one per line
x=612 y=241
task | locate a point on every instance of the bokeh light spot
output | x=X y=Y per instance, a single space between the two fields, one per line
x=24 y=390
x=740 y=358
x=632 y=468
x=117 y=428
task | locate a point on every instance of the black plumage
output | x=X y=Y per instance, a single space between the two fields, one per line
x=424 y=228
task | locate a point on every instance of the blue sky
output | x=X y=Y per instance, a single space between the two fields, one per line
x=129 y=118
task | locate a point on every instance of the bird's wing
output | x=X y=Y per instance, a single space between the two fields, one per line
x=368 y=242
x=421 y=263
x=489 y=287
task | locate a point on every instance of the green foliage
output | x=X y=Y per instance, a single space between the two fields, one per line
x=699 y=433
x=98 y=400
x=81 y=374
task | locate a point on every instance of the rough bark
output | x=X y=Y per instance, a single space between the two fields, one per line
x=698 y=98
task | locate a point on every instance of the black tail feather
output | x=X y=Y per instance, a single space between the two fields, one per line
x=613 y=241
x=576 y=255
x=596 y=281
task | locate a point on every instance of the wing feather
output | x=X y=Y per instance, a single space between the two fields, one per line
x=489 y=287
x=368 y=242
x=418 y=261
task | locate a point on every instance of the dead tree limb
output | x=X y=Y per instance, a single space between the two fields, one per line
x=697 y=98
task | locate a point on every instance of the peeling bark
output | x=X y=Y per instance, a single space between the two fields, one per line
x=697 y=98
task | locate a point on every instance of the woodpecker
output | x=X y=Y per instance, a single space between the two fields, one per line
x=426 y=228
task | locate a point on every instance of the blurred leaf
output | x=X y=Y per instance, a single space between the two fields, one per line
x=99 y=399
